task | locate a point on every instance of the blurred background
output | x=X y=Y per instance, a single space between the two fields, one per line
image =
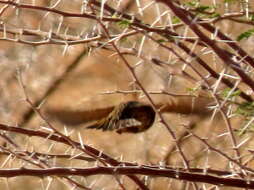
x=70 y=80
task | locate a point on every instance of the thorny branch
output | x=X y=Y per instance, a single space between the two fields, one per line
x=127 y=170
x=123 y=168
x=113 y=26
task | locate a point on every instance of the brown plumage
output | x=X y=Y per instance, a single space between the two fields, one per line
x=128 y=117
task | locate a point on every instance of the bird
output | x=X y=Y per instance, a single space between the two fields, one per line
x=127 y=117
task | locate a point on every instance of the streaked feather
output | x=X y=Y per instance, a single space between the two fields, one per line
x=129 y=117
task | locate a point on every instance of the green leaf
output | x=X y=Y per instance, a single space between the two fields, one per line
x=202 y=8
x=175 y=20
x=193 y=3
x=245 y=35
x=226 y=91
x=214 y=15
x=192 y=91
x=161 y=40
x=124 y=23
x=230 y=1
x=115 y=15
x=252 y=17
x=245 y=109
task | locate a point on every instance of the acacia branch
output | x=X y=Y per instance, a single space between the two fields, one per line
x=127 y=170
x=227 y=59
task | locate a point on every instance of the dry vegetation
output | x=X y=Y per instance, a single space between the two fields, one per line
x=67 y=63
